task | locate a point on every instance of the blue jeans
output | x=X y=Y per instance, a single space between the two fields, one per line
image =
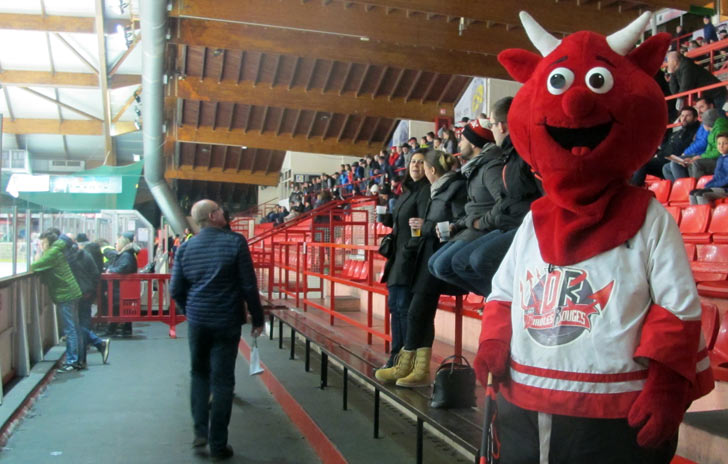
x=440 y=264
x=477 y=262
x=69 y=315
x=87 y=335
x=399 y=300
x=213 y=353
x=673 y=171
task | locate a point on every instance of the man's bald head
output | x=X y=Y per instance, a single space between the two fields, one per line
x=673 y=60
x=202 y=212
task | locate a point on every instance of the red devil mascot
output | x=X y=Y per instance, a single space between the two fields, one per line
x=592 y=330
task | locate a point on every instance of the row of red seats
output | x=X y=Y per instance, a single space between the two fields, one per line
x=702 y=223
x=675 y=193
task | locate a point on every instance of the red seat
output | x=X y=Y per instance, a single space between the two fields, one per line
x=713 y=289
x=710 y=323
x=719 y=224
x=679 y=194
x=674 y=212
x=690 y=251
x=650 y=179
x=694 y=223
x=702 y=181
x=661 y=190
x=360 y=271
x=346 y=272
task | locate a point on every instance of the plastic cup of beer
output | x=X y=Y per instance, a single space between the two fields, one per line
x=381 y=209
x=444 y=229
x=416 y=231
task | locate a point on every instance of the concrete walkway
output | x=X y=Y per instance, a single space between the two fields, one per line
x=136 y=410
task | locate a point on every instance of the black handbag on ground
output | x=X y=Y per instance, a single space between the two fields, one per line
x=386 y=246
x=454 y=384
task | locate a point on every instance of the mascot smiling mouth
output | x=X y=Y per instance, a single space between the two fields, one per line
x=579 y=141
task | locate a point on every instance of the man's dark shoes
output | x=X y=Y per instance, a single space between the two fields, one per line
x=199 y=442
x=104 y=350
x=66 y=368
x=226 y=453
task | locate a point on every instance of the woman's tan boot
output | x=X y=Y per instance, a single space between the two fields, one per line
x=420 y=375
x=402 y=367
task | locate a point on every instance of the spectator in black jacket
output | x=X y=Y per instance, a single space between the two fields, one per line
x=477 y=262
x=213 y=274
x=675 y=144
x=408 y=212
x=87 y=270
x=685 y=75
x=447 y=202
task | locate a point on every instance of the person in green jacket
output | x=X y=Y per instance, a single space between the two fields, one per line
x=704 y=165
x=63 y=289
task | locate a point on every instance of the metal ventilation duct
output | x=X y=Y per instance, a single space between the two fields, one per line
x=154 y=30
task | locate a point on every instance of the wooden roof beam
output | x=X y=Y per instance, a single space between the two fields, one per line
x=375 y=25
x=383 y=106
x=311 y=126
x=239 y=138
x=343 y=128
x=218 y=175
x=65 y=127
x=62 y=79
x=363 y=79
x=29 y=22
x=235 y=36
x=553 y=15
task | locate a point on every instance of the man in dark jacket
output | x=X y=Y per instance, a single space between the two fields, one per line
x=685 y=75
x=477 y=263
x=87 y=275
x=675 y=144
x=212 y=277
x=482 y=155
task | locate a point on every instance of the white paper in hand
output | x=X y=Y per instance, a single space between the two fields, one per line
x=255 y=367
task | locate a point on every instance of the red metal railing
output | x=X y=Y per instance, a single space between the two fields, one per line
x=707 y=54
x=337 y=247
x=127 y=304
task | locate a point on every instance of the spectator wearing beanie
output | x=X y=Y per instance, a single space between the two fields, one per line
x=482 y=172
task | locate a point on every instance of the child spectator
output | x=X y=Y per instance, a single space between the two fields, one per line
x=716 y=188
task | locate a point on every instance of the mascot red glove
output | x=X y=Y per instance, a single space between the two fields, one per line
x=660 y=407
x=495 y=341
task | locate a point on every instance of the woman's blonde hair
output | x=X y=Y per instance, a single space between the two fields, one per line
x=441 y=161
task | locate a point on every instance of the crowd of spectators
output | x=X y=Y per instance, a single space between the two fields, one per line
x=710 y=35
x=374 y=175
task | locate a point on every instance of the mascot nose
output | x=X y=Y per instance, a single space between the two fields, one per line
x=578 y=103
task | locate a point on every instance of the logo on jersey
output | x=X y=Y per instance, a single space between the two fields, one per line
x=558 y=306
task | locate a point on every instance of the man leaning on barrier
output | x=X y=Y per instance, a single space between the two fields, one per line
x=213 y=274
x=63 y=289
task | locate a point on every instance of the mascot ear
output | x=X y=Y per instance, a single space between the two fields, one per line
x=650 y=55
x=520 y=64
